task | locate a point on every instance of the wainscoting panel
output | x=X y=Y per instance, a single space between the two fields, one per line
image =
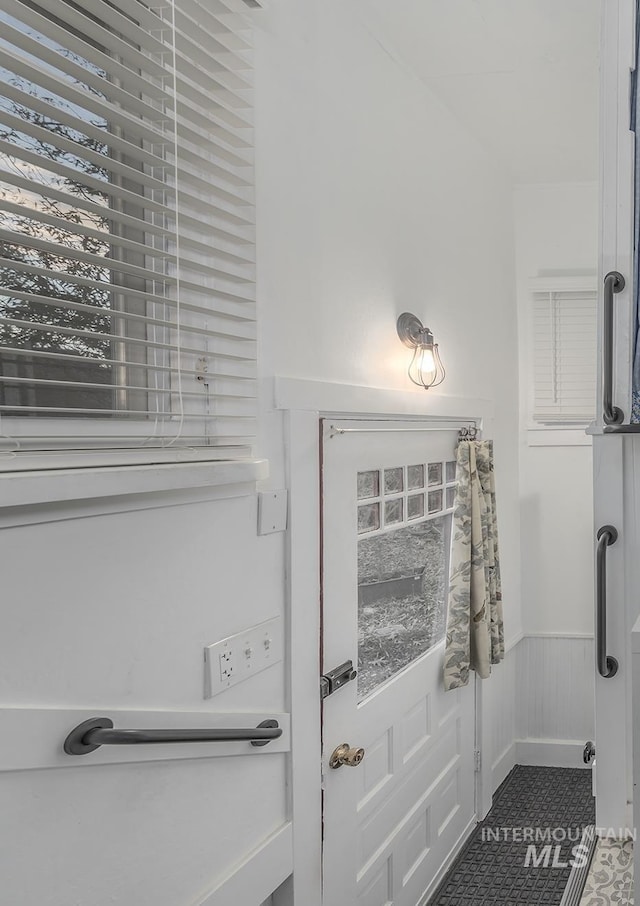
x=540 y=704
x=555 y=699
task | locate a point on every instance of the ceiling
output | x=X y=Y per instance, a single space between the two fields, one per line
x=520 y=75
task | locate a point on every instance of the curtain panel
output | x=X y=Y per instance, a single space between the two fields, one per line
x=475 y=633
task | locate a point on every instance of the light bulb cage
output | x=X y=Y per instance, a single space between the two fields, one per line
x=416 y=336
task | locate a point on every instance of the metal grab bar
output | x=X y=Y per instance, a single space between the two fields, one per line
x=607 y=665
x=91 y=734
x=613 y=283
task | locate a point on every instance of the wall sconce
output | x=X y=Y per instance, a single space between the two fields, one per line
x=426 y=368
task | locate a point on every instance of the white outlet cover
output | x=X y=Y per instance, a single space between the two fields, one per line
x=272 y=511
x=246 y=653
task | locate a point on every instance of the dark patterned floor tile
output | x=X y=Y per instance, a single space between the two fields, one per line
x=493 y=872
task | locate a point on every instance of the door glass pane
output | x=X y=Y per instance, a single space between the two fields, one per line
x=415 y=506
x=435 y=501
x=393 y=511
x=368 y=484
x=368 y=518
x=415 y=477
x=435 y=473
x=401 y=598
x=393 y=480
x=451 y=471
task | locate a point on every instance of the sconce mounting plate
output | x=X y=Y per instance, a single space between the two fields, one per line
x=410 y=329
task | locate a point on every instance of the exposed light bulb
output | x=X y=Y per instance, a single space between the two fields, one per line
x=427 y=365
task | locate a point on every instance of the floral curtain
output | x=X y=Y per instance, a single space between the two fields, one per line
x=475 y=634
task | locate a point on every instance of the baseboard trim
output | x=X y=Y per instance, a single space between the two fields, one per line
x=502 y=766
x=446 y=865
x=550 y=753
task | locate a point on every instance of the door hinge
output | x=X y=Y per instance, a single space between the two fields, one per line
x=477 y=760
x=333 y=680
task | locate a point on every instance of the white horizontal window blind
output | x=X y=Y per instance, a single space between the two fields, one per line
x=564 y=354
x=127 y=304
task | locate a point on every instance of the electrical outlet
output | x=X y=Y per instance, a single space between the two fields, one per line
x=226 y=665
x=219 y=668
x=238 y=657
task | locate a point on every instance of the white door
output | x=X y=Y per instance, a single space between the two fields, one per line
x=392 y=821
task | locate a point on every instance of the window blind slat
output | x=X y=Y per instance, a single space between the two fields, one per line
x=234 y=165
x=145 y=16
x=111 y=91
x=29 y=187
x=82 y=228
x=97 y=36
x=127 y=78
x=230 y=233
x=219 y=368
x=117 y=264
x=220 y=291
x=116 y=142
x=101 y=187
x=218 y=326
x=225 y=28
x=221 y=346
x=149 y=130
x=111 y=165
x=113 y=22
x=188 y=416
x=88 y=385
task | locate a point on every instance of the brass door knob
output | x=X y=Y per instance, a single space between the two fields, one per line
x=345 y=754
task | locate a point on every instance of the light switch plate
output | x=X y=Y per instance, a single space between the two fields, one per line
x=236 y=658
x=272 y=511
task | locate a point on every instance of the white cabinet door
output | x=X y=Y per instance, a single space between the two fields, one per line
x=392 y=821
x=107 y=616
x=616 y=487
x=613 y=742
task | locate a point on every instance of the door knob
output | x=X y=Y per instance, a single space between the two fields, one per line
x=347 y=755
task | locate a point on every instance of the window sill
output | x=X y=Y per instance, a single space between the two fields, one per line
x=557 y=437
x=35 y=487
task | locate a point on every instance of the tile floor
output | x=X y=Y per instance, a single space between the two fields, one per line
x=610 y=878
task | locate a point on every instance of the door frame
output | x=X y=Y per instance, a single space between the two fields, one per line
x=302 y=405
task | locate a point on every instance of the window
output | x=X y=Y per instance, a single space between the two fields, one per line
x=563 y=352
x=127 y=304
x=404 y=534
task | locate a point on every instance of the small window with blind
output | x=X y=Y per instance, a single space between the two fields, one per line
x=127 y=306
x=563 y=352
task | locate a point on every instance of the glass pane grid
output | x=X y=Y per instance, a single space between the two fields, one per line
x=397 y=495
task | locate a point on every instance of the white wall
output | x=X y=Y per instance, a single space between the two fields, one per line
x=556 y=230
x=373 y=200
